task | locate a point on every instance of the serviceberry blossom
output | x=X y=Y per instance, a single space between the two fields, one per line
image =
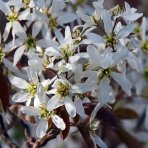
x=68 y=64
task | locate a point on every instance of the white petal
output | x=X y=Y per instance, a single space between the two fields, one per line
x=67 y=33
x=24 y=14
x=30 y=110
x=67 y=18
x=59 y=36
x=84 y=17
x=95 y=110
x=18 y=54
x=81 y=88
x=132 y=17
x=18 y=82
x=98 y=141
x=105 y=90
x=18 y=29
x=119 y=55
x=123 y=82
x=106 y=58
x=20 y=97
x=70 y=107
x=7 y=30
x=79 y=107
x=52 y=51
x=42 y=128
x=56 y=6
x=107 y=22
x=58 y=122
x=125 y=31
x=134 y=62
x=54 y=103
x=95 y=38
x=43 y=43
x=36 y=28
x=94 y=54
x=4 y=7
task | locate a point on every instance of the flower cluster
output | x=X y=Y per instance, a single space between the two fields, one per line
x=60 y=56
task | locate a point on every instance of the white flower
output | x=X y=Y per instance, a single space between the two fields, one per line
x=108 y=60
x=63 y=92
x=45 y=117
x=130 y=13
x=27 y=44
x=28 y=90
x=14 y=17
x=94 y=18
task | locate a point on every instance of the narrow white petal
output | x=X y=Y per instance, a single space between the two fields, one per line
x=95 y=37
x=98 y=141
x=30 y=110
x=79 y=107
x=20 y=97
x=125 y=31
x=67 y=18
x=24 y=14
x=36 y=28
x=123 y=82
x=84 y=17
x=67 y=33
x=94 y=54
x=52 y=51
x=81 y=88
x=18 y=29
x=4 y=7
x=18 y=54
x=107 y=22
x=7 y=30
x=42 y=128
x=95 y=110
x=70 y=107
x=54 y=103
x=18 y=82
x=58 y=122
x=105 y=90
x=132 y=17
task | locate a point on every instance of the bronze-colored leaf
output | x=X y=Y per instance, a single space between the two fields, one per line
x=4 y=91
x=126 y=113
x=128 y=139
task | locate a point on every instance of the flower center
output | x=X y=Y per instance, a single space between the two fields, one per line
x=77 y=36
x=110 y=40
x=13 y=16
x=106 y=71
x=63 y=89
x=144 y=46
x=116 y=10
x=66 y=52
x=30 y=42
x=45 y=113
x=53 y=22
x=2 y=54
x=32 y=88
